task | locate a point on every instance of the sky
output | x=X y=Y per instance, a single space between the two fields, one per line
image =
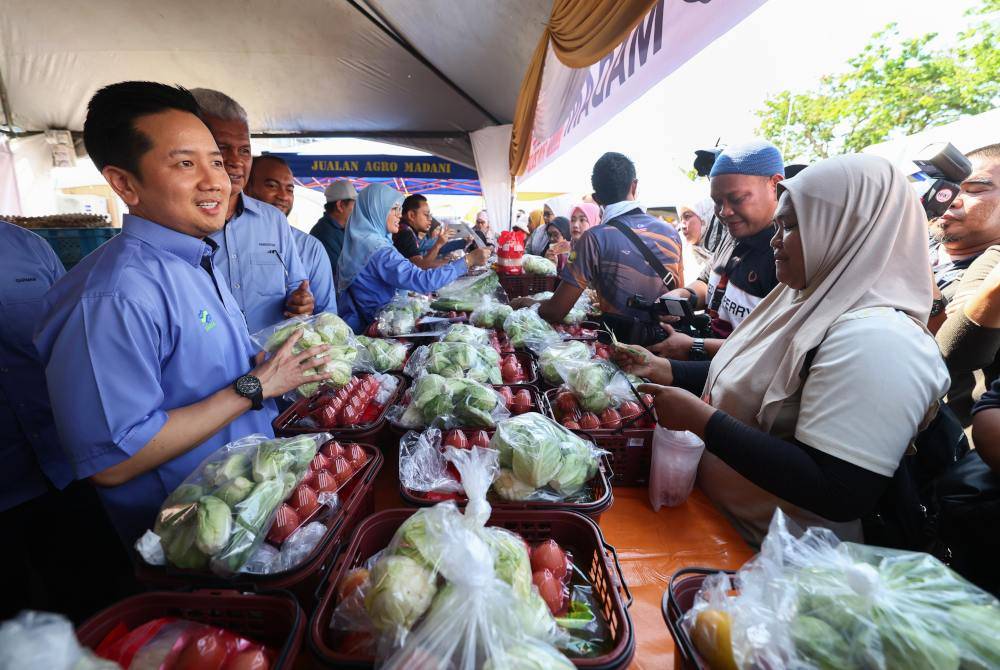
x=786 y=44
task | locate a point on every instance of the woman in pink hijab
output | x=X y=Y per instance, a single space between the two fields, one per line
x=585 y=215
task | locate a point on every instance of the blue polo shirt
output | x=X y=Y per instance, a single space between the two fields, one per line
x=138 y=328
x=317 y=265
x=258 y=261
x=28 y=267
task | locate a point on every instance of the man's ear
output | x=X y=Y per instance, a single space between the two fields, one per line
x=124 y=183
x=634 y=190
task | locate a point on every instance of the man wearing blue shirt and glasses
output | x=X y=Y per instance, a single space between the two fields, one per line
x=257 y=259
x=148 y=360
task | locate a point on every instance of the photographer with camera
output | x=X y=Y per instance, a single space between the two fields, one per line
x=741 y=272
x=630 y=255
x=968 y=277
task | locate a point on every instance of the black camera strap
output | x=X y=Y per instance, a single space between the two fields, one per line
x=665 y=275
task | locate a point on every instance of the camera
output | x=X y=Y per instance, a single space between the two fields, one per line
x=946 y=168
x=689 y=323
x=704 y=159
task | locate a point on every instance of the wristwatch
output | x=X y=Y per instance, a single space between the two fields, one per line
x=697 y=351
x=938 y=305
x=249 y=387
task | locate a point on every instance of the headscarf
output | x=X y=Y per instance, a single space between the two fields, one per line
x=366 y=231
x=591 y=211
x=864 y=240
x=560 y=223
x=561 y=205
x=535 y=219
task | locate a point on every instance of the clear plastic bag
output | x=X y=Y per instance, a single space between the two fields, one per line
x=490 y=313
x=815 y=602
x=384 y=355
x=538 y=265
x=456 y=360
x=422 y=464
x=568 y=350
x=597 y=384
x=527 y=330
x=224 y=509
x=541 y=460
x=400 y=316
x=449 y=403
x=674 y=466
x=44 y=640
x=342 y=359
x=463 y=332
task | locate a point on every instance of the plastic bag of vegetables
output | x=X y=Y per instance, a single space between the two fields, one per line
x=527 y=330
x=541 y=460
x=538 y=265
x=815 y=602
x=562 y=351
x=449 y=403
x=400 y=316
x=490 y=313
x=223 y=510
x=456 y=360
x=598 y=384
x=384 y=355
x=450 y=592
x=343 y=359
x=463 y=332
x=422 y=463
x=465 y=293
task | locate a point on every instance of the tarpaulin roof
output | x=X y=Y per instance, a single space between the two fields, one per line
x=421 y=74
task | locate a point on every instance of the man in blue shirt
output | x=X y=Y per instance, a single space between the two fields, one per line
x=331 y=228
x=146 y=352
x=271 y=181
x=257 y=257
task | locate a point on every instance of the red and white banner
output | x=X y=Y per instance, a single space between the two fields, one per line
x=573 y=103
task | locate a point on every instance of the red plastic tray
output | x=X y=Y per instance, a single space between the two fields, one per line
x=357 y=500
x=275 y=619
x=677 y=600
x=284 y=425
x=595 y=558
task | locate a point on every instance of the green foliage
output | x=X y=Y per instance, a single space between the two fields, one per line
x=894 y=87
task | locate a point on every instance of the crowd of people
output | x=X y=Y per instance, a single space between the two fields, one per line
x=813 y=373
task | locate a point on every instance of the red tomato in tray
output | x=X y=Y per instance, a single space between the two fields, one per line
x=326 y=417
x=356 y=455
x=325 y=482
x=304 y=501
x=343 y=394
x=550 y=556
x=320 y=462
x=550 y=588
x=480 y=439
x=629 y=410
x=348 y=416
x=204 y=651
x=250 y=659
x=521 y=402
x=568 y=422
x=567 y=404
x=309 y=479
x=506 y=394
x=358 y=402
x=456 y=439
x=509 y=369
x=332 y=449
x=589 y=421
x=285 y=523
x=610 y=418
x=341 y=470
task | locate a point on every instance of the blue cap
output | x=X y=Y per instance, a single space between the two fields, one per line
x=757 y=157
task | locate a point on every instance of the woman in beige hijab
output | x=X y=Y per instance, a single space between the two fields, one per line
x=812 y=401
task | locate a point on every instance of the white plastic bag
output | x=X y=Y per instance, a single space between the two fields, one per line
x=43 y=640
x=675 y=458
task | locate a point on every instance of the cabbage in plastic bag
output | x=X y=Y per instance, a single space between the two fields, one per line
x=597 y=384
x=490 y=313
x=456 y=360
x=385 y=355
x=568 y=350
x=538 y=265
x=449 y=403
x=526 y=329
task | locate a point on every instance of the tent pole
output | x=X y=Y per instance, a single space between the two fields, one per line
x=391 y=32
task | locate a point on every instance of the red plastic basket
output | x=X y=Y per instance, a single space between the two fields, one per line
x=284 y=425
x=677 y=600
x=629 y=448
x=595 y=557
x=518 y=286
x=274 y=619
x=358 y=499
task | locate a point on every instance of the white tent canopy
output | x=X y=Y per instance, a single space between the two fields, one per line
x=967 y=134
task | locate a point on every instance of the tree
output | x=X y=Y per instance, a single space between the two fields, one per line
x=893 y=87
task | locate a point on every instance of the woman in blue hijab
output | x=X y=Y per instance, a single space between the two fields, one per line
x=371 y=271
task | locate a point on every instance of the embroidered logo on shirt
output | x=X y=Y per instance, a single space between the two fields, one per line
x=266 y=244
x=21 y=280
x=206 y=320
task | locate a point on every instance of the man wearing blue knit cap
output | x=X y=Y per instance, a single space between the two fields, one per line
x=741 y=273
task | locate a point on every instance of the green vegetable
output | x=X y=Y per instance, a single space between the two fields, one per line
x=907 y=647
x=237 y=465
x=510 y=559
x=185 y=493
x=977 y=629
x=385 y=355
x=578 y=467
x=463 y=332
x=324 y=328
x=234 y=491
x=416 y=542
x=571 y=350
x=332 y=329
x=817 y=642
x=537 y=462
x=529 y=656
x=251 y=515
x=490 y=314
x=538 y=265
x=400 y=592
x=525 y=328
x=271 y=461
x=463 y=401
x=214 y=525
x=180 y=547
x=579 y=615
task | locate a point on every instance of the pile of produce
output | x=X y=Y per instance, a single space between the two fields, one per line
x=449 y=591
x=463 y=332
x=541 y=460
x=401 y=315
x=561 y=351
x=490 y=313
x=814 y=602
x=519 y=401
x=325 y=328
x=580 y=310
x=384 y=355
x=628 y=414
x=538 y=265
x=465 y=294
x=223 y=511
x=597 y=384
x=439 y=401
x=527 y=330
x=500 y=342
x=360 y=403
x=456 y=360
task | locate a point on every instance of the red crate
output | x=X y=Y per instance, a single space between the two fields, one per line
x=595 y=558
x=677 y=600
x=284 y=425
x=275 y=619
x=518 y=286
x=357 y=500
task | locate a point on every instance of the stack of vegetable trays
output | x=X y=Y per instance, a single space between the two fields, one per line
x=357 y=500
x=629 y=444
x=370 y=424
x=591 y=555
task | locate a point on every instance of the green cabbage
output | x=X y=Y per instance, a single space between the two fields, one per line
x=400 y=591
x=579 y=465
x=465 y=401
x=490 y=314
x=538 y=265
x=462 y=332
x=215 y=523
x=817 y=642
x=252 y=514
x=234 y=491
x=529 y=656
x=510 y=559
x=571 y=350
x=525 y=328
x=237 y=465
x=271 y=461
x=385 y=355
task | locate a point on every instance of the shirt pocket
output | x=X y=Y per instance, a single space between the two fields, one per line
x=267 y=274
x=29 y=288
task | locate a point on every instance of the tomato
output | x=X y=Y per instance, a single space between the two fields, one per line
x=567 y=404
x=249 y=659
x=550 y=589
x=589 y=421
x=509 y=369
x=521 y=402
x=325 y=416
x=325 y=482
x=629 y=410
x=348 y=416
x=310 y=479
x=610 y=418
x=356 y=455
x=358 y=401
x=507 y=395
x=569 y=423
x=351 y=582
x=603 y=352
x=332 y=449
x=343 y=394
x=550 y=556
x=304 y=501
x=647 y=399
x=285 y=523
x=204 y=652
x=341 y=470
x=480 y=439
x=456 y=439
x=320 y=462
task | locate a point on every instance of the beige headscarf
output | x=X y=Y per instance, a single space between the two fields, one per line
x=864 y=239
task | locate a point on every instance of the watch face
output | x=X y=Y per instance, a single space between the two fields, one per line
x=247 y=385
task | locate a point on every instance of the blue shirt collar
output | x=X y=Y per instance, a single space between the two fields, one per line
x=186 y=247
